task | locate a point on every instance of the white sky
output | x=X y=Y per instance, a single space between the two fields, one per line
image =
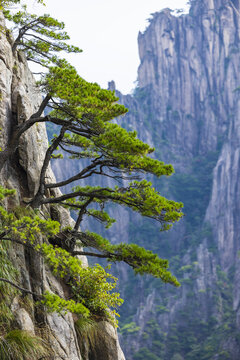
x=106 y=31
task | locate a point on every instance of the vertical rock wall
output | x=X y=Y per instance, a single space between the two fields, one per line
x=187 y=106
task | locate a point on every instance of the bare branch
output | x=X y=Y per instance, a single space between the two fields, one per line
x=81 y=213
x=18 y=242
x=42 y=107
x=40 y=193
x=22 y=32
x=55 y=46
x=37 y=62
x=94 y=193
x=86 y=253
x=75 y=177
x=25 y=291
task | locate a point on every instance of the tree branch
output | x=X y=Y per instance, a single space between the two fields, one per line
x=17 y=242
x=86 y=253
x=55 y=47
x=81 y=213
x=75 y=177
x=77 y=193
x=40 y=193
x=42 y=107
x=22 y=32
x=26 y=291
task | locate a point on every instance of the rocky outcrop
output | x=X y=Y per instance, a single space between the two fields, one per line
x=19 y=99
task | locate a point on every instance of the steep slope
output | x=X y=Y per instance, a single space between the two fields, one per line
x=19 y=99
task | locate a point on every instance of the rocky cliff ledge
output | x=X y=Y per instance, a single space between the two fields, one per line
x=19 y=99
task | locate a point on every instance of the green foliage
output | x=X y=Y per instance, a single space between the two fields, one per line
x=7 y=271
x=95 y=106
x=195 y=188
x=6 y=3
x=102 y=216
x=5 y=192
x=139 y=196
x=89 y=334
x=41 y=37
x=21 y=345
x=144 y=353
x=55 y=303
x=57 y=156
x=141 y=260
x=27 y=229
x=129 y=328
x=85 y=102
x=82 y=112
x=91 y=286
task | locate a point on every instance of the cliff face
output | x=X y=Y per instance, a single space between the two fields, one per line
x=187 y=106
x=192 y=64
x=19 y=99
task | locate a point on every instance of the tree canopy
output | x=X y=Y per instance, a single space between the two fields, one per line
x=40 y=37
x=83 y=112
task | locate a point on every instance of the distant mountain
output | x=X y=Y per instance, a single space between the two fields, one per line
x=187 y=105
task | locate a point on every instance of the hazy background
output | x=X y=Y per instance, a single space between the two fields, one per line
x=106 y=31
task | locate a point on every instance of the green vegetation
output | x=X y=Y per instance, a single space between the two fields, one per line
x=5 y=4
x=145 y=353
x=91 y=287
x=40 y=37
x=197 y=338
x=193 y=336
x=189 y=331
x=82 y=113
x=89 y=335
x=21 y=345
x=7 y=292
x=129 y=328
x=195 y=188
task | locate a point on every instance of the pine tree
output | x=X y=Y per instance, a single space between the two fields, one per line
x=83 y=112
x=40 y=37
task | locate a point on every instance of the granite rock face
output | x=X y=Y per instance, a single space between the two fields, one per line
x=187 y=105
x=19 y=99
